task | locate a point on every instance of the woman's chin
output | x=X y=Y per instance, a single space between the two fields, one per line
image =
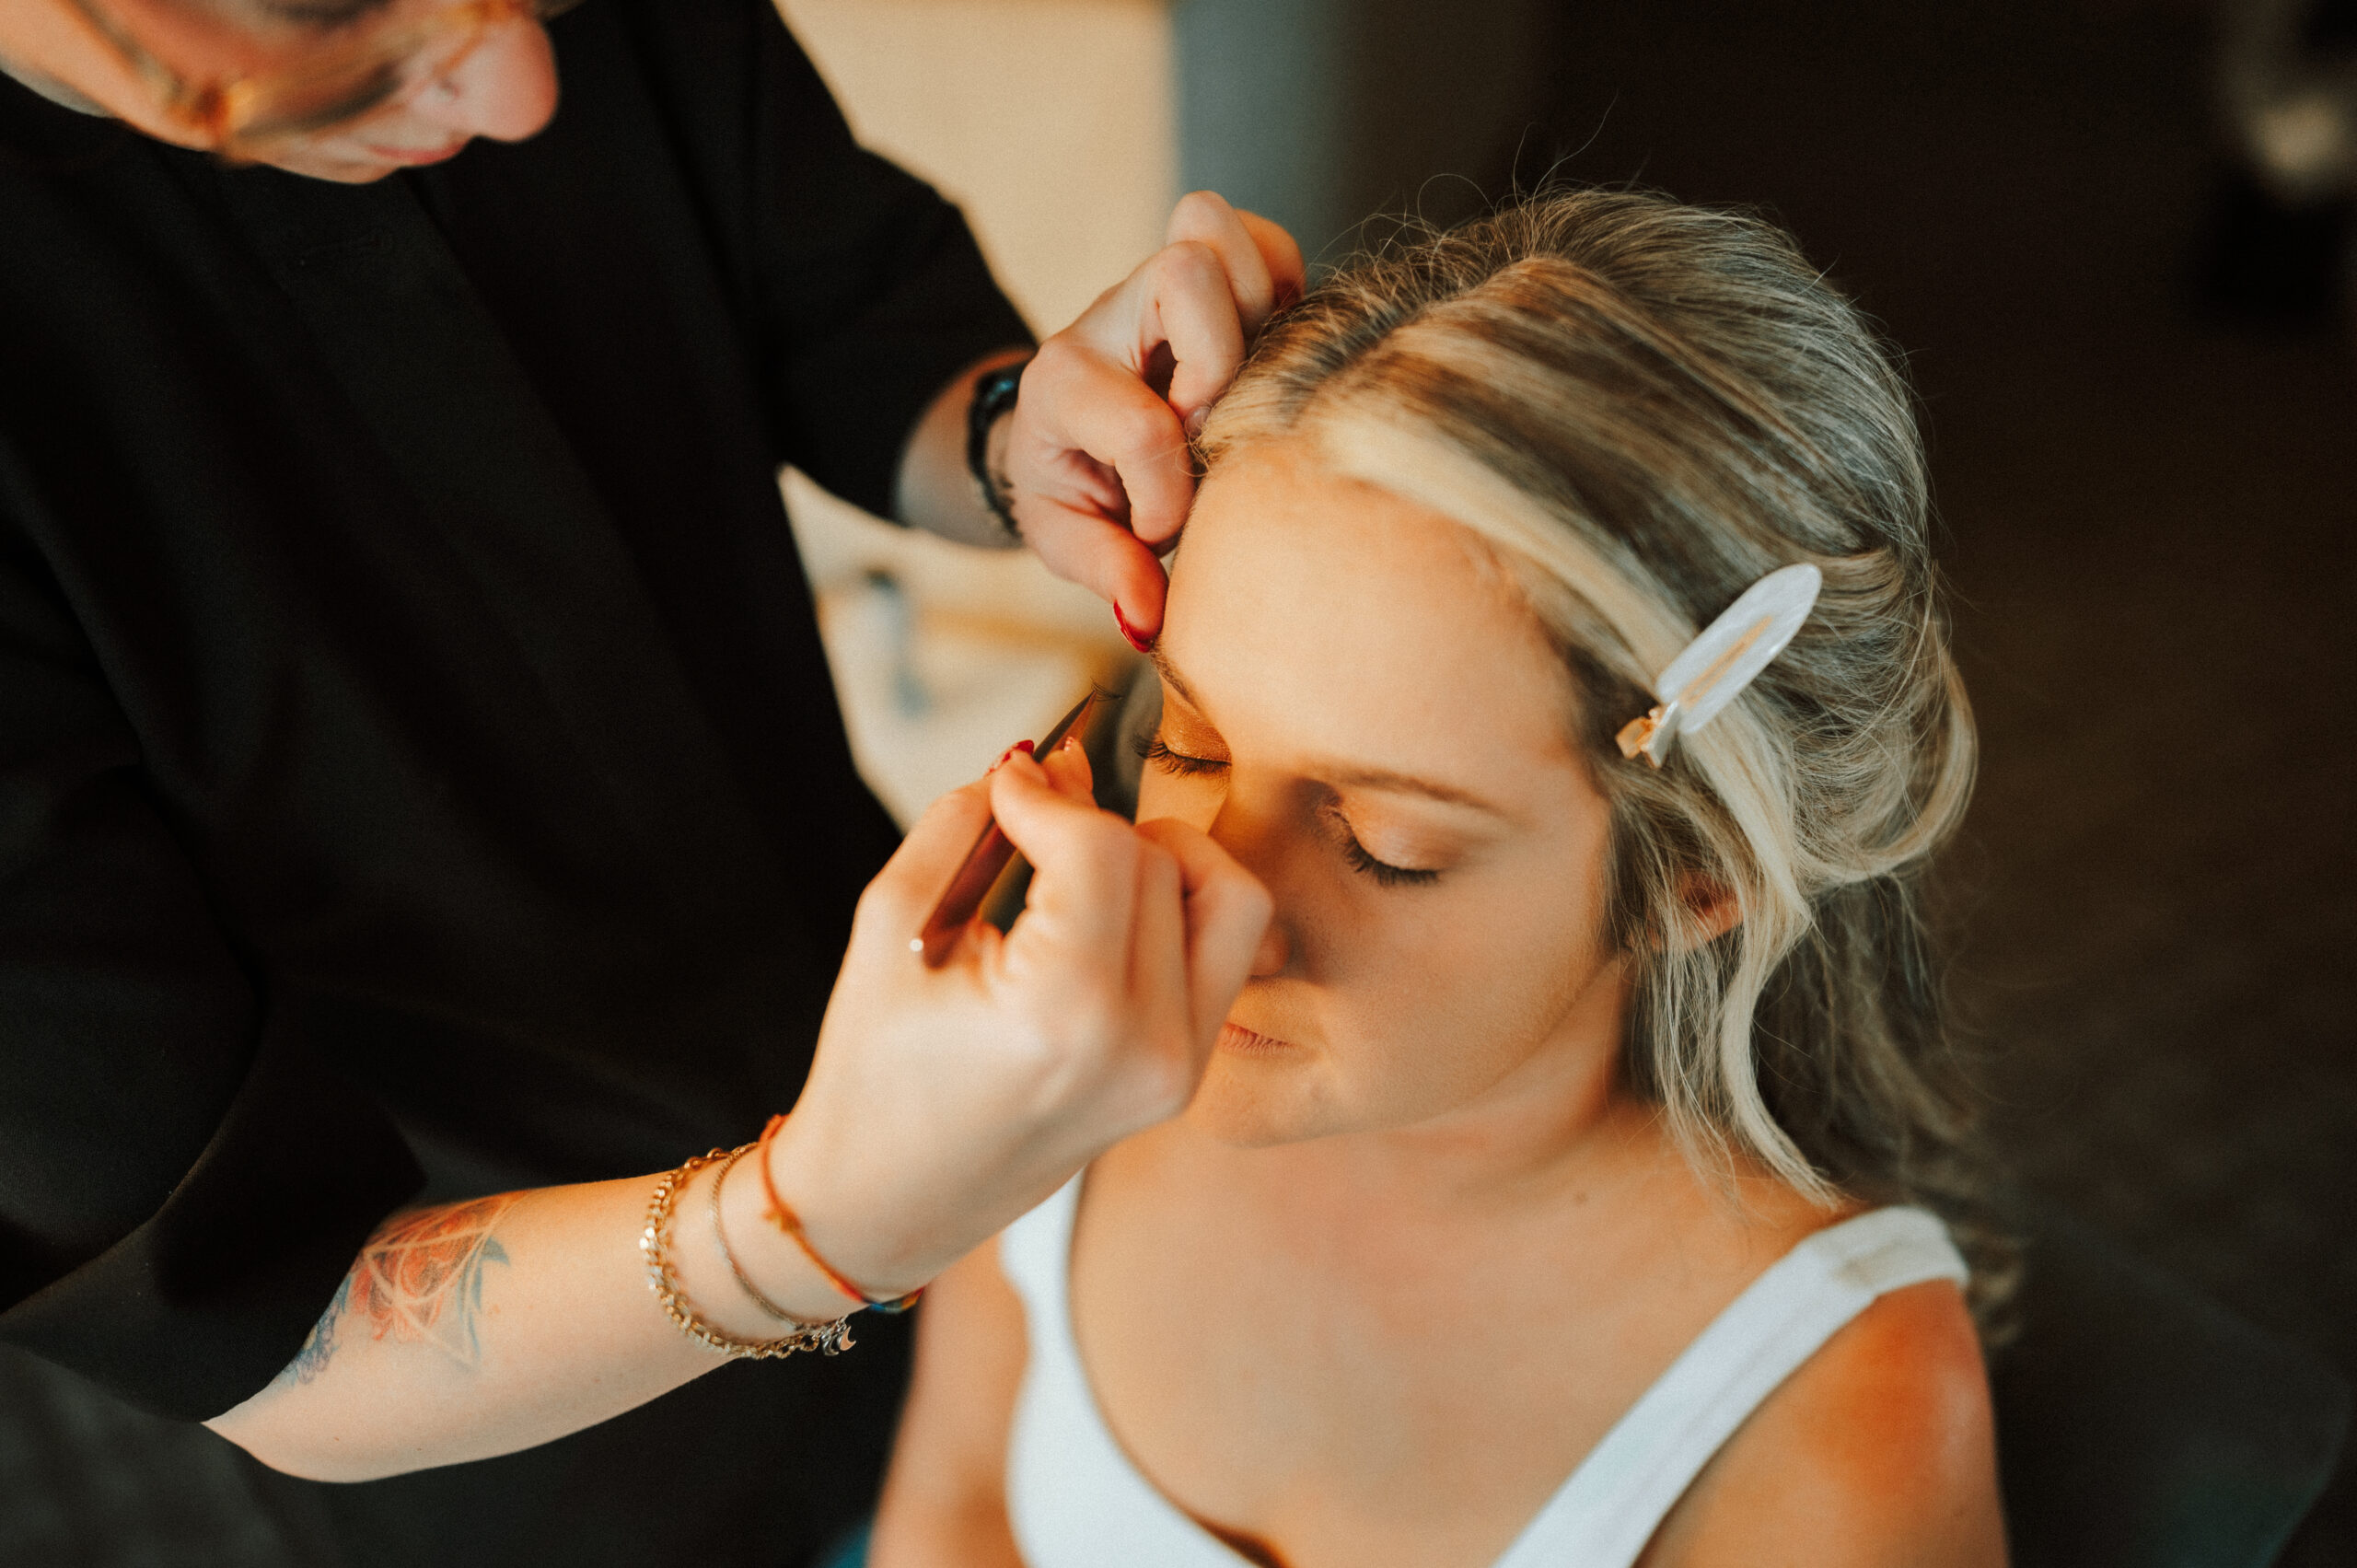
x=1257 y=1093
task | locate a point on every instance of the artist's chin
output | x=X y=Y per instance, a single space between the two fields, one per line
x=359 y=163
x=340 y=169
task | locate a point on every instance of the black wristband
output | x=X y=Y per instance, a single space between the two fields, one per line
x=994 y=393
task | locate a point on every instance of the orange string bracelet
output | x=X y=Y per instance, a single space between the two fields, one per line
x=786 y=1220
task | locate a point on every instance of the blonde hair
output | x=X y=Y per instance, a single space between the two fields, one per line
x=1639 y=408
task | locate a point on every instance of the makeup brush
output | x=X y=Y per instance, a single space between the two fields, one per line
x=985 y=862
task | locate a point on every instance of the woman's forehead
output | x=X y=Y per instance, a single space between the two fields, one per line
x=1355 y=618
x=1278 y=533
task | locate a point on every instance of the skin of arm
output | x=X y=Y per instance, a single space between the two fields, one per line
x=936 y=490
x=476 y=1329
x=1879 y=1452
x=945 y=1496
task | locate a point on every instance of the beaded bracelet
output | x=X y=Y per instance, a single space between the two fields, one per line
x=654 y=1245
x=786 y=1220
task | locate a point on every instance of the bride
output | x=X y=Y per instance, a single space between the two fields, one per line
x=1563 y=1188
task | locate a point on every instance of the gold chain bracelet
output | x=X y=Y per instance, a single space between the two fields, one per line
x=655 y=1246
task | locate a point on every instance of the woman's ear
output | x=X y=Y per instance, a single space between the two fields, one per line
x=1711 y=906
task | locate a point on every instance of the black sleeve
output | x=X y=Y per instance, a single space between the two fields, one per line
x=181 y=1187
x=864 y=290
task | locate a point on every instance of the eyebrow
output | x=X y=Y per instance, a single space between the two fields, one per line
x=1380 y=778
x=1390 y=782
x=1170 y=675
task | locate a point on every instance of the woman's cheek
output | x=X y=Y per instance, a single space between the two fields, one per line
x=1421 y=982
x=1195 y=802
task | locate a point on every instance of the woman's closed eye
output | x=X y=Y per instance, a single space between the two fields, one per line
x=1362 y=860
x=1157 y=753
x=1154 y=750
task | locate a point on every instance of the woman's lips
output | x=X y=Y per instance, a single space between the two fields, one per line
x=1251 y=1042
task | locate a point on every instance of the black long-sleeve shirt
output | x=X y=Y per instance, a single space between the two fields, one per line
x=418 y=774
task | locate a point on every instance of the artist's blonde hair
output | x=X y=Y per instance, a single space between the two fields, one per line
x=1640 y=408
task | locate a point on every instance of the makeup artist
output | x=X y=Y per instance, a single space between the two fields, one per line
x=424 y=817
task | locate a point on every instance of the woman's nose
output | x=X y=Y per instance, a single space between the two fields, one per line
x=1257 y=840
x=1275 y=950
x=506 y=87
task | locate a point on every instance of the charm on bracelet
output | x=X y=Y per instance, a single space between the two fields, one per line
x=655 y=1246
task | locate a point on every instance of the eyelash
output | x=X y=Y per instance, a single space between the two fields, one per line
x=1385 y=874
x=1154 y=752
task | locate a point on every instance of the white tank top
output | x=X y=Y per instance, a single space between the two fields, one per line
x=1077 y=1502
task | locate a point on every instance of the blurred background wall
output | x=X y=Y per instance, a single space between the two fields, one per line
x=1320 y=113
x=2135 y=362
x=1026 y=112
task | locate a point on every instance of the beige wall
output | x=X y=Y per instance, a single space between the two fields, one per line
x=1050 y=123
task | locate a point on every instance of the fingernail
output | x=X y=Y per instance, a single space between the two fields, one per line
x=1022 y=746
x=1142 y=644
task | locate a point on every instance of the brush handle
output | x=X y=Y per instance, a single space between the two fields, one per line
x=985 y=864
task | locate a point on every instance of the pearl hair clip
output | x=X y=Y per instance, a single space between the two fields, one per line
x=1716 y=667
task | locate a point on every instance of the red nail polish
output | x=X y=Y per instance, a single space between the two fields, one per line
x=1023 y=745
x=1142 y=644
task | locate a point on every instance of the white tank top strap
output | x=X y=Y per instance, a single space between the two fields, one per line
x=1076 y=1501
x=1616 y=1500
x=1075 y=1498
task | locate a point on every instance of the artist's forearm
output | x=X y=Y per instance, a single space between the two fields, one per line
x=466 y=1339
x=936 y=490
x=479 y=1329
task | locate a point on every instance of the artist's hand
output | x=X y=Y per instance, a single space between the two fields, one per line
x=944 y=1103
x=1096 y=451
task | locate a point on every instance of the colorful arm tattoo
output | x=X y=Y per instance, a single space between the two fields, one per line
x=419 y=1281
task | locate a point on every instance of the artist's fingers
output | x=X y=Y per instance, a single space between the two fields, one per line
x=1264 y=265
x=1091 y=437
x=1190 y=304
x=902 y=895
x=1281 y=254
x=1177 y=313
x=1103 y=557
x=1205 y=218
x=1160 y=993
x=1227 y=909
x=1068 y=769
x=1083 y=881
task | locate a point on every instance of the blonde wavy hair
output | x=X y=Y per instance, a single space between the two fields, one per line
x=1639 y=408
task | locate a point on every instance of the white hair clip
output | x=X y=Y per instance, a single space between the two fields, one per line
x=1720 y=663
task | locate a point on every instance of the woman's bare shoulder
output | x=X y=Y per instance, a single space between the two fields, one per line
x=1880 y=1451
